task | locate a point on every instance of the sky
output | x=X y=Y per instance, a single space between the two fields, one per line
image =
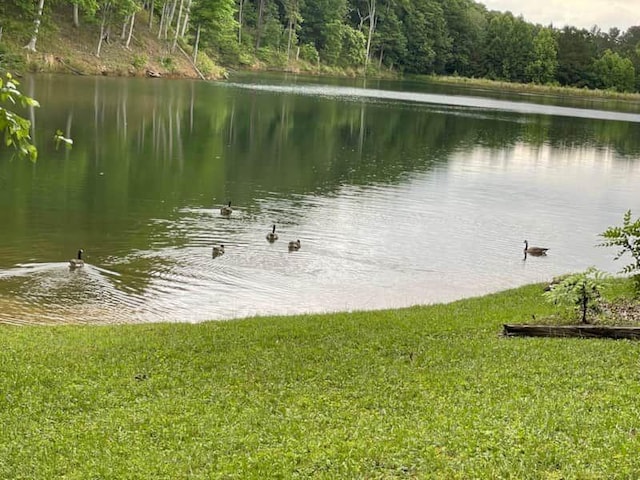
x=578 y=13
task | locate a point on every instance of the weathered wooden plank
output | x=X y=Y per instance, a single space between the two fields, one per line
x=585 y=331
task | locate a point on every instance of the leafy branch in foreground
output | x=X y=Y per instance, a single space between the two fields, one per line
x=580 y=291
x=627 y=238
x=59 y=138
x=16 y=128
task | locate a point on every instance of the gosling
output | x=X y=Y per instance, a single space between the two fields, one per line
x=217 y=251
x=294 y=245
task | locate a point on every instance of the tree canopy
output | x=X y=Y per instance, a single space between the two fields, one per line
x=459 y=37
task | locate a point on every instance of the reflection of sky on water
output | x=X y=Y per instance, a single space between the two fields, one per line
x=350 y=93
x=436 y=236
x=437 y=221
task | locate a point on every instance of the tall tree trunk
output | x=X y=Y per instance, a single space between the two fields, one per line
x=289 y=40
x=31 y=46
x=163 y=16
x=195 y=48
x=133 y=18
x=168 y=22
x=259 y=25
x=175 y=37
x=76 y=16
x=185 y=23
x=372 y=25
x=240 y=5
x=102 y=27
x=123 y=33
x=151 y=14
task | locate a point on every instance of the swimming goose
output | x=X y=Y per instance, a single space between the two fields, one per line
x=272 y=236
x=77 y=262
x=535 y=251
x=226 y=210
x=217 y=251
x=294 y=245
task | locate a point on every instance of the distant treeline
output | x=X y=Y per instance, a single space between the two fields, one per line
x=442 y=37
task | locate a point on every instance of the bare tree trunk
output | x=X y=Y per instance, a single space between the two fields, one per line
x=133 y=18
x=163 y=19
x=168 y=22
x=195 y=48
x=241 y=4
x=175 y=37
x=185 y=24
x=76 y=16
x=123 y=33
x=290 y=37
x=102 y=28
x=31 y=46
x=372 y=26
x=259 y=25
x=361 y=21
x=151 y=14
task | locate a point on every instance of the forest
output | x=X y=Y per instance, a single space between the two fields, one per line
x=434 y=37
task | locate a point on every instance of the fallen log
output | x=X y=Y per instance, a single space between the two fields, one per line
x=583 y=331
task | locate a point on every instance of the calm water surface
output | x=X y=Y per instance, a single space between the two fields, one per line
x=401 y=193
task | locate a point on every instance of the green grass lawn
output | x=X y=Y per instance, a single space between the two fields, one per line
x=423 y=392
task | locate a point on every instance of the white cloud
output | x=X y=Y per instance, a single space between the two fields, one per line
x=578 y=13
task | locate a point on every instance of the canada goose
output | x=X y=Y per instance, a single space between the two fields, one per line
x=77 y=262
x=535 y=251
x=217 y=251
x=294 y=245
x=226 y=210
x=272 y=236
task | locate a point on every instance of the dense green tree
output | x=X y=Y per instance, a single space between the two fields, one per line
x=320 y=23
x=576 y=51
x=466 y=22
x=508 y=47
x=630 y=48
x=293 y=20
x=545 y=57
x=496 y=44
x=521 y=51
x=428 y=42
x=458 y=37
x=389 y=43
x=344 y=46
x=604 y=41
x=614 y=72
x=213 y=24
x=89 y=7
x=353 y=47
x=367 y=20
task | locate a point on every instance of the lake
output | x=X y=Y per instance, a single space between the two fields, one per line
x=400 y=192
